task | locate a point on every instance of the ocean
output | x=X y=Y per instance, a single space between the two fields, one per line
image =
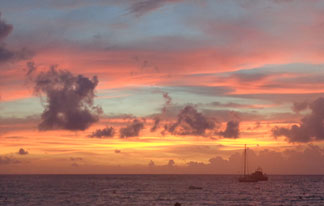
x=147 y=190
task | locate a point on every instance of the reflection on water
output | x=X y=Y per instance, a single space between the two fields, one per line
x=93 y=190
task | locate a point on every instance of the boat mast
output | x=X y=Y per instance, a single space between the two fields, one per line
x=244 y=159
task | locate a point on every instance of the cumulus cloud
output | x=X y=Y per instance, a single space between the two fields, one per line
x=22 y=151
x=232 y=129
x=311 y=127
x=69 y=100
x=131 y=130
x=101 y=133
x=191 y=122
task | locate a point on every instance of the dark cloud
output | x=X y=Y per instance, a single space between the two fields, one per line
x=69 y=100
x=117 y=151
x=168 y=101
x=101 y=133
x=8 y=160
x=311 y=127
x=299 y=106
x=7 y=54
x=142 y=7
x=232 y=129
x=157 y=119
x=156 y=124
x=132 y=130
x=191 y=122
x=171 y=163
x=22 y=151
x=5 y=29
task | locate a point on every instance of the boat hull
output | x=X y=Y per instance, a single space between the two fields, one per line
x=247 y=179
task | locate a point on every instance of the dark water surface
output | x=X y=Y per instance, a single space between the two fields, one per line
x=95 y=190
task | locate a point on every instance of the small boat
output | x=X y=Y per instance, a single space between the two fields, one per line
x=256 y=176
x=259 y=175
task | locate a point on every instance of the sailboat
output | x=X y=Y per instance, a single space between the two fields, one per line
x=256 y=176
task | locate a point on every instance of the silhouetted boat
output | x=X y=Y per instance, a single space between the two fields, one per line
x=247 y=178
x=259 y=175
x=256 y=176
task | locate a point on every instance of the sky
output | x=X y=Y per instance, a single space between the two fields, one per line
x=161 y=86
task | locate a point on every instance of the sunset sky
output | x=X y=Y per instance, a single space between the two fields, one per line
x=161 y=86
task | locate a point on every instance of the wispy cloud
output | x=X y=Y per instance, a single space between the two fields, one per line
x=145 y=6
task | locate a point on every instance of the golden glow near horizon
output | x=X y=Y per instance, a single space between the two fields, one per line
x=159 y=148
x=175 y=96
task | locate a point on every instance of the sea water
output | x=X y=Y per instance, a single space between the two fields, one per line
x=146 y=190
